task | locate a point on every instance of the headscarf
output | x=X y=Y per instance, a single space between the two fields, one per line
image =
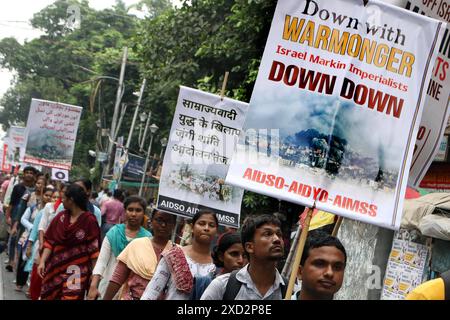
x=118 y=240
x=140 y=257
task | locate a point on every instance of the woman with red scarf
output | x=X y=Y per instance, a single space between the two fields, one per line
x=71 y=248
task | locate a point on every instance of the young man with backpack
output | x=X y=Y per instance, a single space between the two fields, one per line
x=259 y=279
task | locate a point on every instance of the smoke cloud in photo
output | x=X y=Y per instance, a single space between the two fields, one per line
x=368 y=132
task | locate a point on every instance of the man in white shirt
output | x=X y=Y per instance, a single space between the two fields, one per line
x=259 y=280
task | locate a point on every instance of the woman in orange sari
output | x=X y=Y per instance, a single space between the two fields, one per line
x=71 y=248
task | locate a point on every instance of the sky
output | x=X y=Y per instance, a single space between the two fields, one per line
x=14 y=17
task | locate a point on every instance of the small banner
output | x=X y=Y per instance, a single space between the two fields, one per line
x=203 y=136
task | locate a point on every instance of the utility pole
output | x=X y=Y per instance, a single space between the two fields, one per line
x=153 y=129
x=133 y=123
x=141 y=147
x=119 y=95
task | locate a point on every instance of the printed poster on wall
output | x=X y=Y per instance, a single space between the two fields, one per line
x=336 y=107
x=436 y=111
x=406 y=267
x=203 y=136
x=51 y=133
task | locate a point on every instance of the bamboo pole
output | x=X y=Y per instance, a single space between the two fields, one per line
x=287 y=266
x=224 y=85
x=337 y=226
x=299 y=253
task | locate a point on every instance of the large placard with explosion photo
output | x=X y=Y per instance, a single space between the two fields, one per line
x=336 y=107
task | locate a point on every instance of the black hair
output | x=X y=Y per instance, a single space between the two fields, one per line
x=132 y=199
x=118 y=194
x=77 y=194
x=203 y=212
x=109 y=193
x=86 y=183
x=318 y=239
x=31 y=168
x=224 y=242
x=46 y=189
x=254 y=222
x=155 y=211
x=94 y=194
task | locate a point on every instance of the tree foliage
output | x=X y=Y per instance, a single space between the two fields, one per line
x=193 y=45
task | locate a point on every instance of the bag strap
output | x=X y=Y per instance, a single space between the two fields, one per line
x=234 y=285
x=446 y=277
x=232 y=288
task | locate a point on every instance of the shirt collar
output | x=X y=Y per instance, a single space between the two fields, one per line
x=244 y=276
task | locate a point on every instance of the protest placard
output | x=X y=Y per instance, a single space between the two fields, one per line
x=203 y=135
x=60 y=175
x=13 y=147
x=436 y=111
x=133 y=168
x=336 y=107
x=51 y=133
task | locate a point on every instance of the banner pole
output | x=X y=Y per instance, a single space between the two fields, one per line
x=224 y=85
x=289 y=260
x=300 y=247
x=337 y=226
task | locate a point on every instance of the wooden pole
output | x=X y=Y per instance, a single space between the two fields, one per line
x=299 y=253
x=290 y=259
x=337 y=226
x=224 y=85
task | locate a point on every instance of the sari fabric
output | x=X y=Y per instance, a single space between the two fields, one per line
x=179 y=268
x=140 y=257
x=74 y=247
x=118 y=238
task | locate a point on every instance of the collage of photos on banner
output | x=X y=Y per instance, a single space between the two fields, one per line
x=225 y=156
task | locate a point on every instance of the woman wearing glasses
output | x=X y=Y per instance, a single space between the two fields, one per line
x=116 y=239
x=137 y=263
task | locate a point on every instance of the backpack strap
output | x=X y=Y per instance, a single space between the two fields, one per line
x=446 y=277
x=232 y=288
x=234 y=285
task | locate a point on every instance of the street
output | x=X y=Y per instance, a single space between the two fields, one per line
x=7 y=286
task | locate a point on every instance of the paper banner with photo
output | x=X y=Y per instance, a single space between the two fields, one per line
x=336 y=107
x=203 y=136
x=13 y=148
x=133 y=168
x=435 y=117
x=51 y=133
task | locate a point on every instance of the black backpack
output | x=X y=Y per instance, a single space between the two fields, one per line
x=234 y=285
